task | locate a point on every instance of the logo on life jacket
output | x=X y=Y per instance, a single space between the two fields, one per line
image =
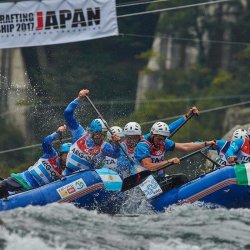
x=156 y=160
x=92 y=151
x=49 y=168
x=109 y=161
x=81 y=155
x=78 y=153
x=158 y=152
x=222 y=162
x=245 y=158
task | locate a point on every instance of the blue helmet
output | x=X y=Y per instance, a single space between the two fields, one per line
x=65 y=147
x=97 y=125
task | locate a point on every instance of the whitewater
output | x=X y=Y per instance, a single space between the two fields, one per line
x=64 y=226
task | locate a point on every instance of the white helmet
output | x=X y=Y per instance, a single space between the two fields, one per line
x=132 y=128
x=160 y=128
x=240 y=134
x=248 y=131
x=116 y=130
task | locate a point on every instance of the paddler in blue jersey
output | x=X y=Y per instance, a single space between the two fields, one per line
x=109 y=162
x=89 y=146
x=223 y=146
x=47 y=169
x=151 y=150
x=239 y=150
x=133 y=135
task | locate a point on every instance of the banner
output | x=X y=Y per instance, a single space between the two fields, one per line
x=36 y=23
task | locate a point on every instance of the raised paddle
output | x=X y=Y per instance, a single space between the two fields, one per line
x=187 y=119
x=105 y=123
x=136 y=179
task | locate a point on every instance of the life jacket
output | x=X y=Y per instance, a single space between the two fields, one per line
x=130 y=151
x=81 y=156
x=156 y=154
x=243 y=155
x=45 y=171
x=110 y=163
x=222 y=161
x=124 y=166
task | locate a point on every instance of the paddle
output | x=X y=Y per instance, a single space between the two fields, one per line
x=207 y=157
x=105 y=123
x=136 y=179
x=187 y=119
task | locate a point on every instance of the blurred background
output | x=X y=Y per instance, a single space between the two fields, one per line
x=162 y=63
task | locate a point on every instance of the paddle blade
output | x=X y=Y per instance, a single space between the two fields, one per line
x=134 y=180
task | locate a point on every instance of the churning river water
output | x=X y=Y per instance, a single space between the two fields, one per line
x=63 y=226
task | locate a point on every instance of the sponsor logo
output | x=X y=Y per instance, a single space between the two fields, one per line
x=150 y=187
x=80 y=184
x=71 y=188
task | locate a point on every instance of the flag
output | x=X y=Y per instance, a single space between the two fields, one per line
x=242 y=172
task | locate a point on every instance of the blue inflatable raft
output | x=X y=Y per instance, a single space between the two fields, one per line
x=100 y=190
x=221 y=187
x=89 y=189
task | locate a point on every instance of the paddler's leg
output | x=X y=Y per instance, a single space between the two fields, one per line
x=9 y=185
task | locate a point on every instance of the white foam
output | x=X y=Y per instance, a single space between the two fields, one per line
x=15 y=241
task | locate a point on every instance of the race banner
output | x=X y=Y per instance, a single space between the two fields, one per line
x=36 y=23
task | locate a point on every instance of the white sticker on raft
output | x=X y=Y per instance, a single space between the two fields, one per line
x=71 y=188
x=150 y=187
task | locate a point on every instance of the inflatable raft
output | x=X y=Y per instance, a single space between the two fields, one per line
x=89 y=189
x=228 y=187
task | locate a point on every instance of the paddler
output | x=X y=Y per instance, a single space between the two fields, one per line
x=47 y=169
x=151 y=150
x=89 y=146
x=239 y=150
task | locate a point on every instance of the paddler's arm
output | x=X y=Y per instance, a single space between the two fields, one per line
x=76 y=129
x=112 y=151
x=47 y=148
x=179 y=121
x=192 y=146
x=234 y=148
x=149 y=165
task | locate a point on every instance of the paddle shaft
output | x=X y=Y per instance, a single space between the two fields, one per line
x=181 y=159
x=136 y=179
x=187 y=119
x=105 y=123
x=207 y=157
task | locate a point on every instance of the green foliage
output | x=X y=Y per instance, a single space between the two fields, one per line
x=109 y=68
x=10 y=137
